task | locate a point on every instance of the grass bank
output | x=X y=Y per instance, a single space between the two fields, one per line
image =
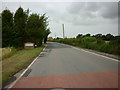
x=18 y=61
x=7 y=52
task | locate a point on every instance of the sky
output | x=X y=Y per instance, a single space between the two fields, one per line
x=77 y=17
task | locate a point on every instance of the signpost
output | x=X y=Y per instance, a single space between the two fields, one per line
x=29 y=45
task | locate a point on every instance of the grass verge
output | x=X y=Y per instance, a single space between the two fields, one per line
x=7 y=52
x=111 y=47
x=15 y=63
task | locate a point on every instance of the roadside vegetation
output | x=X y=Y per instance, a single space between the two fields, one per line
x=18 y=61
x=18 y=28
x=7 y=52
x=21 y=27
x=103 y=43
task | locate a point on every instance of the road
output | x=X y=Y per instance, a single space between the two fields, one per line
x=62 y=66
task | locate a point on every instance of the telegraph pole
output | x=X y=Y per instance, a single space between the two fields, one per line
x=63 y=31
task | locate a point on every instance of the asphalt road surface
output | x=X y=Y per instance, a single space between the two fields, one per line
x=62 y=66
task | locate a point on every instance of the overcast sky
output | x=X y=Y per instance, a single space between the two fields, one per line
x=78 y=17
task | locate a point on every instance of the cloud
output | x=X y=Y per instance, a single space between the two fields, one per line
x=109 y=10
x=94 y=9
x=84 y=9
x=92 y=13
x=78 y=17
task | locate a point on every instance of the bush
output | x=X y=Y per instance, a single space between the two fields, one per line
x=7 y=52
x=88 y=39
x=113 y=47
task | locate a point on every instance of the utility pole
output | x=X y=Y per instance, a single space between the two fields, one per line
x=63 y=31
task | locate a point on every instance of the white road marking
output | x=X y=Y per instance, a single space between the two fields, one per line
x=44 y=49
x=91 y=52
x=25 y=70
x=96 y=54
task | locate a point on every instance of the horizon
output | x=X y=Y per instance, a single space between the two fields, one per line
x=82 y=17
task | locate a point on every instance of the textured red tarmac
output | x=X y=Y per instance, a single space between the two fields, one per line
x=81 y=80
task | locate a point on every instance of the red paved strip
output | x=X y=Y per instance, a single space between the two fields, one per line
x=85 y=80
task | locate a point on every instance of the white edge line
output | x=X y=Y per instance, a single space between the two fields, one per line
x=97 y=54
x=91 y=52
x=25 y=70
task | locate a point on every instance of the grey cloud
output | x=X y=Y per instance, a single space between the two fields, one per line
x=92 y=13
x=84 y=9
x=109 y=10
x=79 y=17
x=93 y=9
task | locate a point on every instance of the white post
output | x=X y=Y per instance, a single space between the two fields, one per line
x=63 y=31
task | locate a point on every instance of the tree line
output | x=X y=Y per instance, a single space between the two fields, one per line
x=106 y=37
x=20 y=27
x=103 y=43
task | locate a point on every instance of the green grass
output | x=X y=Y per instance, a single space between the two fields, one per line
x=7 y=52
x=18 y=61
x=93 y=43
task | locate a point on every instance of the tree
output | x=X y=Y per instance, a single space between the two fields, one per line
x=24 y=28
x=47 y=32
x=7 y=28
x=103 y=37
x=43 y=26
x=20 y=19
x=79 y=36
x=36 y=29
x=88 y=35
x=98 y=36
x=109 y=37
x=33 y=30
